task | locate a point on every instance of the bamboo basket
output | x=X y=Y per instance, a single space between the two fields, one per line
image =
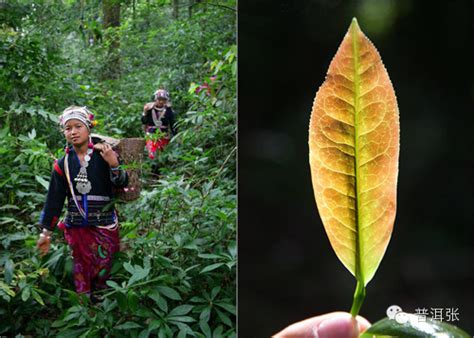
x=130 y=151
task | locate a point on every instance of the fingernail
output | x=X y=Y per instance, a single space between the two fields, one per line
x=340 y=327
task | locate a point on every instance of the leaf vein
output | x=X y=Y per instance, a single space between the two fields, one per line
x=333 y=170
x=375 y=220
x=346 y=123
x=373 y=158
x=342 y=193
x=335 y=142
x=342 y=151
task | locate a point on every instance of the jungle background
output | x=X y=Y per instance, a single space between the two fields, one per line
x=176 y=276
x=287 y=268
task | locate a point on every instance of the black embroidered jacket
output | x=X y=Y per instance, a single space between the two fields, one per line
x=100 y=198
x=165 y=123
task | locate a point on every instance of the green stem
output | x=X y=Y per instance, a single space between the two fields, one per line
x=359 y=296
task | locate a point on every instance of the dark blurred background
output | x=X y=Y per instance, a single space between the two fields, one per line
x=287 y=268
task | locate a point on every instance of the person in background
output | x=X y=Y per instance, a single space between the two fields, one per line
x=158 y=117
x=85 y=176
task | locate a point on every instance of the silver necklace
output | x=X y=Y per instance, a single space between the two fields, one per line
x=83 y=185
x=157 y=117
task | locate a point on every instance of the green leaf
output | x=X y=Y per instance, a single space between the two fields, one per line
x=215 y=291
x=88 y=333
x=413 y=326
x=205 y=315
x=144 y=312
x=218 y=332
x=205 y=328
x=32 y=134
x=128 y=325
x=138 y=274
x=181 y=310
x=192 y=88
x=164 y=332
x=197 y=299
x=113 y=285
x=37 y=297
x=144 y=333
x=224 y=318
x=122 y=301
x=183 y=319
x=9 y=267
x=4 y=132
x=42 y=181
x=184 y=329
x=228 y=307
x=58 y=323
x=72 y=315
x=132 y=301
x=129 y=267
x=6 y=289
x=169 y=292
x=211 y=267
x=9 y=206
x=209 y=256
x=109 y=305
x=76 y=308
x=159 y=300
x=25 y=294
x=71 y=333
x=154 y=324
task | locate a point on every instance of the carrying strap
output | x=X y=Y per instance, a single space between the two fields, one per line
x=66 y=169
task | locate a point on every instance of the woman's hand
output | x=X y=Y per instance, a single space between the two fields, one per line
x=108 y=154
x=148 y=106
x=44 y=241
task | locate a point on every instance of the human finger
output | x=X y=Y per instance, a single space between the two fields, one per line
x=334 y=324
x=105 y=149
x=342 y=326
x=98 y=146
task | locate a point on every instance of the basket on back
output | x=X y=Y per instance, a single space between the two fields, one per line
x=130 y=151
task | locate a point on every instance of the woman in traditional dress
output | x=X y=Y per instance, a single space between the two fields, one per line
x=85 y=176
x=158 y=117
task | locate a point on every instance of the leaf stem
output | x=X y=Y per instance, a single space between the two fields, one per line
x=359 y=296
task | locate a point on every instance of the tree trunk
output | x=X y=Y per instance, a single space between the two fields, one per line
x=190 y=8
x=84 y=32
x=175 y=9
x=111 y=11
x=201 y=8
x=134 y=11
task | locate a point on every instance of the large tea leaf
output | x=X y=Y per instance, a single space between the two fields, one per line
x=413 y=327
x=353 y=151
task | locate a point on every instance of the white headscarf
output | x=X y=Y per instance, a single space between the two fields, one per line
x=79 y=113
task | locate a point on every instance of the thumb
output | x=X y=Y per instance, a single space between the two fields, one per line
x=341 y=326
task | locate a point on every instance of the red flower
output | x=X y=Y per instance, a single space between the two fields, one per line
x=202 y=87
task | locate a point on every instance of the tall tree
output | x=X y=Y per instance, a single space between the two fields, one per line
x=190 y=8
x=175 y=9
x=111 y=11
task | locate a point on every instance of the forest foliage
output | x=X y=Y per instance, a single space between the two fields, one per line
x=176 y=274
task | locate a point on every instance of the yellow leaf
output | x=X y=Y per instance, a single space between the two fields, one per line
x=353 y=152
